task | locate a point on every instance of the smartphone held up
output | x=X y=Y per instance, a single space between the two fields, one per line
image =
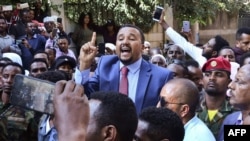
x=186 y=26
x=33 y=94
x=157 y=13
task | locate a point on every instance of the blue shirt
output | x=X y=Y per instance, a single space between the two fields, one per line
x=37 y=43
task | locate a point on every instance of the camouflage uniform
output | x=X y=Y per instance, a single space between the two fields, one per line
x=215 y=124
x=18 y=122
x=3 y=131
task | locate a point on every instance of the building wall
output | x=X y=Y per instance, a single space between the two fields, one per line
x=224 y=24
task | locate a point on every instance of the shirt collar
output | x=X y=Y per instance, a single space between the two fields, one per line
x=133 y=68
x=239 y=119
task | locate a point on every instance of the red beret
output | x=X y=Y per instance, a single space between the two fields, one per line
x=219 y=63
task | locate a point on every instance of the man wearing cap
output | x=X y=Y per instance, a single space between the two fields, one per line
x=51 y=25
x=66 y=64
x=215 y=107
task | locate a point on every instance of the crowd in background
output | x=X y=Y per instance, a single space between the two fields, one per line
x=111 y=84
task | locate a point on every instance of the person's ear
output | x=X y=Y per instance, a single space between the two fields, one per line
x=143 y=47
x=237 y=44
x=214 y=53
x=109 y=133
x=184 y=110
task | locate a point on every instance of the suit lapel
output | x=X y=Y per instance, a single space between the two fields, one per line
x=115 y=77
x=144 y=77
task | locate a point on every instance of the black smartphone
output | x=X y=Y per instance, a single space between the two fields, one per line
x=33 y=94
x=101 y=48
x=157 y=13
x=59 y=20
x=54 y=32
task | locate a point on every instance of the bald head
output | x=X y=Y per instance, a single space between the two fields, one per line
x=183 y=90
x=246 y=70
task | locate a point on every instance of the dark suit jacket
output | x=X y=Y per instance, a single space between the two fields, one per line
x=231 y=119
x=151 y=80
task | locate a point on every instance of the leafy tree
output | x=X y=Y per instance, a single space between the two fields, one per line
x=139 y=12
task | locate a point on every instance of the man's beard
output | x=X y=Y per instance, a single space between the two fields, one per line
x=207 y=55
x=214 y=92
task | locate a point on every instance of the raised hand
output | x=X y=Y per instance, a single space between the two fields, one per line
x=71 y=110
x=87 y=53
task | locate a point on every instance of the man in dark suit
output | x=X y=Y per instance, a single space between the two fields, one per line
x=145 y=80
x=240 y=98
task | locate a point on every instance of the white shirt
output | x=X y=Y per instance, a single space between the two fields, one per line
x=197 y=130
x=193 y=51
x=133 y=75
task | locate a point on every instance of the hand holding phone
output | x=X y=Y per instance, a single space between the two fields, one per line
x=71 y=108
x=157 y=13
x=33 y=94
x=59 y=20
x=101 y=48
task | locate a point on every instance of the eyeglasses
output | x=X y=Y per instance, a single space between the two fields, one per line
x=164 y=103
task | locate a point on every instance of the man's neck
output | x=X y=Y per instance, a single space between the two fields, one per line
x=214 y=102
x=3 y=34
x=5 y=98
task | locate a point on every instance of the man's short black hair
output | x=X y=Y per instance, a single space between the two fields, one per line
x=14 y=64
x=136 y=27
x=192 y=63
x=4 y=61
x=118 y=110
x=240 y=31
x=243 y=58
x=226 y=47
x=163 y=124
x=39 y=60
x=41 y=51
x=219 y=43
x=53 y=76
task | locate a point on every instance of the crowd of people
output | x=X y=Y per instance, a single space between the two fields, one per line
x=131 y=91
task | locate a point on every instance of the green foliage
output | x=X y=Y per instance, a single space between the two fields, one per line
x=138 y=12
x=204 y=11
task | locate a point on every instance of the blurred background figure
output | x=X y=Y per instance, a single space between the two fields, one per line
x=158 y=60
x=110 y=32
x=83 y=32
x=147 y=46
x=109 y=48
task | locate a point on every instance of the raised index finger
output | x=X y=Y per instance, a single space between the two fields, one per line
x=93 y=39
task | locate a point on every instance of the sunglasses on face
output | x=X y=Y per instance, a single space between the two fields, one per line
x=164 y=103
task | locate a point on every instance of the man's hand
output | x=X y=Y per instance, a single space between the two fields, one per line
x=26 y=43
x=163 y=23
x=71 y=110
x=6 y=49
x=87 y=53
x=60 y=27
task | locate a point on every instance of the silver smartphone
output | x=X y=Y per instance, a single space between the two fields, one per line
x=186 y=26
x=157 y=13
